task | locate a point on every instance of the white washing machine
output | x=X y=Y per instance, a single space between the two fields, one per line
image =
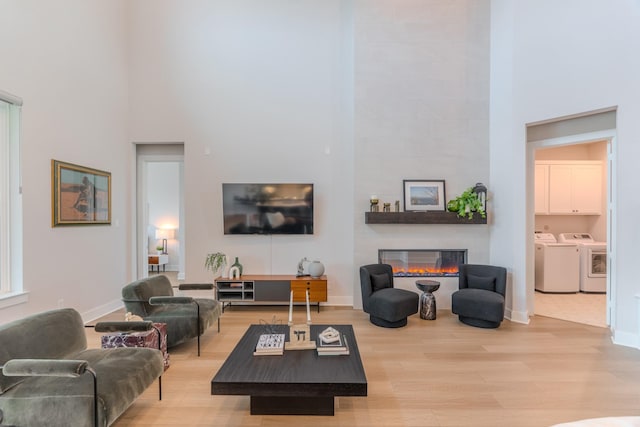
x=557 y=265
x=593 y=261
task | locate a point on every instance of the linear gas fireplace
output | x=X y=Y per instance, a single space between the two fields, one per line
x=423 y=262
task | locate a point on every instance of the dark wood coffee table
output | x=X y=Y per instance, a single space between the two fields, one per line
x=297 y=383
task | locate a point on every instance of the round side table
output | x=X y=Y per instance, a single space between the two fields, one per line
x=427 y=300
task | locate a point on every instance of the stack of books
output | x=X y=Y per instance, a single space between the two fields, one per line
x=270 y=344
x=339 y=347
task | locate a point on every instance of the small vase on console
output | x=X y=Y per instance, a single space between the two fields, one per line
x=237 y=264
x=316 y=269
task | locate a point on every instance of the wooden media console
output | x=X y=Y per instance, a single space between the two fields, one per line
x=267 y=289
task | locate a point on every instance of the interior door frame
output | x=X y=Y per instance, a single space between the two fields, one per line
x=608 y=135
x=141 y=222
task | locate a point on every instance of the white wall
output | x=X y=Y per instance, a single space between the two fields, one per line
x=68 y=62
x=421 y=102
x=259 y=92
x=552 y=59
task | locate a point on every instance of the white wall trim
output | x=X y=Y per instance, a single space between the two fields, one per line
x=517 y=316
x=102 y=310
x=14 y=298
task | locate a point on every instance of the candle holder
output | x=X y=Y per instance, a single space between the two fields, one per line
x=299 y=335
x=373 y=204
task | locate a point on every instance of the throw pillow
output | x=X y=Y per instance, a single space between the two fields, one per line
x=482 y=282
x=380 y=281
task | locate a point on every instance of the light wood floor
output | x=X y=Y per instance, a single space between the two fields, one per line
x=429 y=373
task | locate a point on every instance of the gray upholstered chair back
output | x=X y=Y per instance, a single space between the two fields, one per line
x=366 y=283
x=54 y=334
x=499 y=273
x=136 y=295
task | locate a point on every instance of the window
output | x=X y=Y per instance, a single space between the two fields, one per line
x=10 y=200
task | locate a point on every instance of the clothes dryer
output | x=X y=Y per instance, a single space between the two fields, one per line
x=557 y=265
x=593 y=261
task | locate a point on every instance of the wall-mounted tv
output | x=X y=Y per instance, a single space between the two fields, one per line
x=267 y=208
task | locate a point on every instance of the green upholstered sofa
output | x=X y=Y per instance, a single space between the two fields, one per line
x=152 y=299
x=49 y=376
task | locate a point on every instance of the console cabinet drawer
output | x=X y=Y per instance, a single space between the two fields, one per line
x=317 y=290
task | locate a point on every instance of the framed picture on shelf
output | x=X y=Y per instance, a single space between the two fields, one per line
x=424 y=195
x=80 y=195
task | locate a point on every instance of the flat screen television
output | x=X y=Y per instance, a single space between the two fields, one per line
x=267 y=208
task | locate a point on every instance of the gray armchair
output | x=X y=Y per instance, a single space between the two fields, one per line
x=387 y=306
x=186 y=317
x=479 y=301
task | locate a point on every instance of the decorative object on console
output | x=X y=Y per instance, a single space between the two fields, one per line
x=234 y=272
x=303 y=267
x=423 y=195
x=238 y=266
x=397 y=205
x=467 y=204
x=386 y=207
x=316 y=269
x=159 y=248
x=215 y=262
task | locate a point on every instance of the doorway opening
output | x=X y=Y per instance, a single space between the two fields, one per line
x=575 y=146
x=160 y=223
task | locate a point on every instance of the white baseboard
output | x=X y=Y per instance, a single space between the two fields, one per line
x=103 y=310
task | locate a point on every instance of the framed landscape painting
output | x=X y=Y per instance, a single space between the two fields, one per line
x=424 y=195
x=80 y=195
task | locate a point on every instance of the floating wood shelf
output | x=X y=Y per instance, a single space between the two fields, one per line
x=429 y=217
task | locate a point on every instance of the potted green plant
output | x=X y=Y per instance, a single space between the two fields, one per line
x=159 y=248
x=215 y=261
x=467 y=204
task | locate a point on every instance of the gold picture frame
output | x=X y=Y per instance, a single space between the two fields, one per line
x=79 y=195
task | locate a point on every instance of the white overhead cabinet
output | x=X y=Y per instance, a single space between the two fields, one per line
x=542 y=189
x=568 y=188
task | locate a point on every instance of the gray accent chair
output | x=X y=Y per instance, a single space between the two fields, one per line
x=50 y=378
x=387 y=306
x=152 y=299
x=479 y=301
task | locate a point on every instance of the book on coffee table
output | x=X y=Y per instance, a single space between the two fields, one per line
x=269 y=344
x=336 y=348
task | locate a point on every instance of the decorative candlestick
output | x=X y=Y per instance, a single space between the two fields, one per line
x=291 y=309
x=300 y=334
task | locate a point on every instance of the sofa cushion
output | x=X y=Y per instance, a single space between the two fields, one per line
x=487 y=283
x=393 y=304
x=181 y=320
x=380 y=281
x=478 y=304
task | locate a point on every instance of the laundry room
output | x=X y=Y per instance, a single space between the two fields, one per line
x=571 y=232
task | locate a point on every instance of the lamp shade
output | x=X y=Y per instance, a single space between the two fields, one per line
x=165 y=233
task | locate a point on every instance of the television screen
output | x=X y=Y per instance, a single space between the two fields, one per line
x=267 y=208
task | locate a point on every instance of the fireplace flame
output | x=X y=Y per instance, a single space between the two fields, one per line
x=400 y=271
